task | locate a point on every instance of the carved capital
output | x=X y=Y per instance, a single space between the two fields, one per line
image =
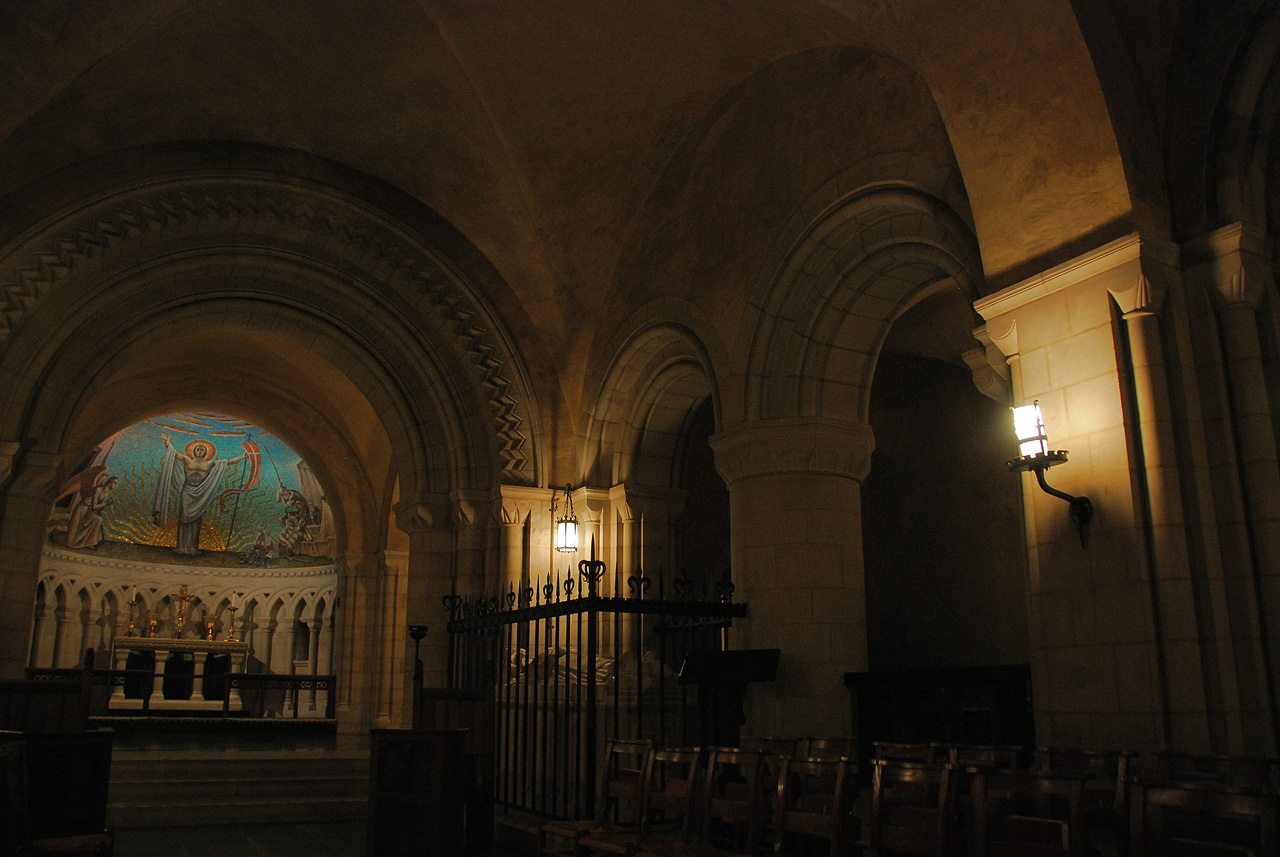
x=422 y=513
x=989 y=367
x=632 y=502
x=36 y=474
x=1005 y=338
x=1234 y=263
x=775 y=447
x=1144 y=297
x=468 y=506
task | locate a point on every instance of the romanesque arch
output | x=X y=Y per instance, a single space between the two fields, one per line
x=335 y=321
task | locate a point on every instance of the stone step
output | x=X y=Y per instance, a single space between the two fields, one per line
x=183 y=814
x=184 y=788
x=241 y=788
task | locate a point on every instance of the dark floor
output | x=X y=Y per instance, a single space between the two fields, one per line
x=333 y=839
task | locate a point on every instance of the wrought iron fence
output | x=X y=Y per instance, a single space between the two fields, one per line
x=569 y=668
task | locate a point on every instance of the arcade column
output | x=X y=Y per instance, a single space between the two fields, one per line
x=795 y=494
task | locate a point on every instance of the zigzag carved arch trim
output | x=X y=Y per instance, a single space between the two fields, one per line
x=168 y=213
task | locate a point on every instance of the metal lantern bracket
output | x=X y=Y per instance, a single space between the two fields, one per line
x=1081 y=510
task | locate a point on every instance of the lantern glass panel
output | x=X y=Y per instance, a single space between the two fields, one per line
x=1029 y=425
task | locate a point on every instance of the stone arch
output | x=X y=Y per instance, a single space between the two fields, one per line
x=666 y=361
x=846 y=267
x=107 y=298
x=236 y=231
x=1245 y=149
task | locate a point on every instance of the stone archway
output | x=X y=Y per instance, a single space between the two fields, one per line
x=847 y=266
x=272 y=280
x=665 y=366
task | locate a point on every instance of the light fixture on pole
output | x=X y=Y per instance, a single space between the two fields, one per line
x=566 y=537
x=1036 y=456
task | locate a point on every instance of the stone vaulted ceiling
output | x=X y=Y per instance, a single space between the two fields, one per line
x=591 y=151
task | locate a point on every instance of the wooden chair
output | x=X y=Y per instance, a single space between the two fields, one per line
x=830 y=748
x=1002 y=758
x=912 y=808
x=622 y=771
x=1259 y=773
x=1024 y=813
x=16 y=838
x=1105 y=773
x=927 y=753
x=668 y=806
x=733 y=802
x=1201 y=820
x=773 y=746
x=815 y=803
x=1105 y=798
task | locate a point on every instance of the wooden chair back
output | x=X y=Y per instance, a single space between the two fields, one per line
x=927 y=753
x=815 y=801
x=621 y=777
x=1105 y=773
x=668 y=806
x=1201 y=820
x=773 y=746
x=1003 y=758
x=912 y=807
x=619 y=781
x=1261 y=773
x=829 y=748
x=734 y=799
x=670 y=791
x=1028 y=813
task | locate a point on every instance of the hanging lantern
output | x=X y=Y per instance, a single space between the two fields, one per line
x=566 y=536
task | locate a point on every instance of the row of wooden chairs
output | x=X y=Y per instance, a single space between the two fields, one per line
x=711 y=803
x=1246 y=772
x=936 y=809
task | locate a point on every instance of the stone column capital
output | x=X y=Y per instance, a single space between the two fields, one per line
x=794 y=446
x=423 y=513
x=35 y=475
x=1145 y=295
x=469 y=506
x=632 y=501
x=1235 y=264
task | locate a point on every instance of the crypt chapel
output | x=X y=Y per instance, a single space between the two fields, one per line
x=753 y=285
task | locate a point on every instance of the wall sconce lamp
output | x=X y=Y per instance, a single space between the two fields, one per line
x=1036 y=456
x=567 y=524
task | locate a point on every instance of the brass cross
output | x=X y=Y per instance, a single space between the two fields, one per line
x=183 y=599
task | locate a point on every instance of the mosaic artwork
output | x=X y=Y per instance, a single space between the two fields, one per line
x=202 y=488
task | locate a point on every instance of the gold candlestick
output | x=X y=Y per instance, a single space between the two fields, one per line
x=133 y=605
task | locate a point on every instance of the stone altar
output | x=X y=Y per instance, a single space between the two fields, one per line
x=162 y=649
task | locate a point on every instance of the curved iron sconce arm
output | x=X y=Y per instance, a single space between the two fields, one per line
x=1081 y=510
